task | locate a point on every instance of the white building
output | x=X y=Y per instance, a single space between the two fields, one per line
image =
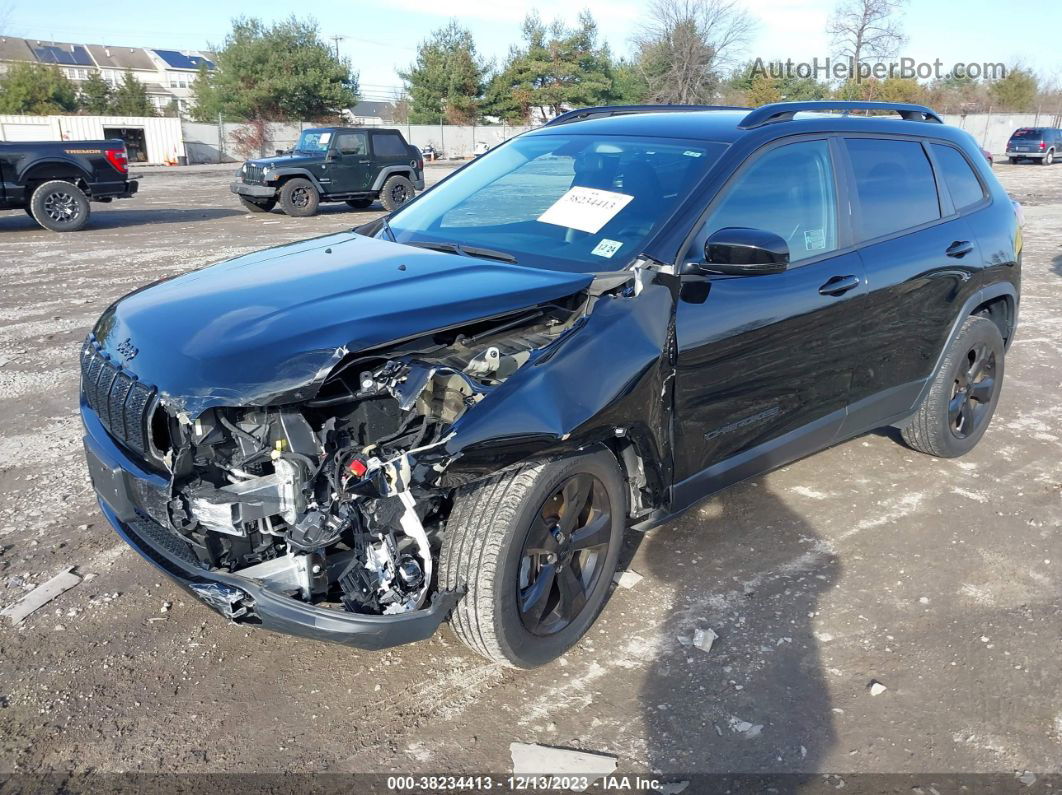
x=167 y=75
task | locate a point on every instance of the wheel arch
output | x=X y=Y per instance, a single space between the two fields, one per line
x=1003 y=296
x=288 y=174
x=389 y=171
x=1001 y=310
x=41 y=171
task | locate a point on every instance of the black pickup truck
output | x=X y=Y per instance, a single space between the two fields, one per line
x=53 y=181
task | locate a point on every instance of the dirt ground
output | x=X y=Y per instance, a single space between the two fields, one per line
x=940 y=579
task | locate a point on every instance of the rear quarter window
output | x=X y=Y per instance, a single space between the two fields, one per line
x=962 y=183
x=389 y=145
x=894 y=183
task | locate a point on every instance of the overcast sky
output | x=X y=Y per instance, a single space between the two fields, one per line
x=381 y=37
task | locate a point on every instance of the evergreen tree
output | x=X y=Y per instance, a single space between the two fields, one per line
x=130 y=98
x=96 y=95
x=281 y=72
x=446 y=80
x=557 y=68
x=36 y=90
x=1016 y=91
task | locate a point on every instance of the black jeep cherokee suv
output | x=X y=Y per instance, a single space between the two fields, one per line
x=330 y=164
x=458 y=410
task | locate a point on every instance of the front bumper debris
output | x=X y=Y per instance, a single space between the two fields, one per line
x=124 y=490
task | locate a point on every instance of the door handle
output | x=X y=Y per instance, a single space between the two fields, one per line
x=364 y=162
x=959 y=249
x=839 y=285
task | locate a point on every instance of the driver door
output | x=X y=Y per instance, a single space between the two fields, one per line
x=765 y=361
x=350 y=167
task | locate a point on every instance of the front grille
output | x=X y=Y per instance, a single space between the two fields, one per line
x=122 y=403
x=252 y=173
x=162 y=540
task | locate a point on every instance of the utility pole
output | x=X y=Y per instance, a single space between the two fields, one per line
x=335 y=41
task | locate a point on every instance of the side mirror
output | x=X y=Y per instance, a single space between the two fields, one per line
x=740 y=251
x=332 y=156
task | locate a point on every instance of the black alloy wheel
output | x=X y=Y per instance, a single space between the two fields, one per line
x=963 y=394
x=972 y=392
x=562 y=556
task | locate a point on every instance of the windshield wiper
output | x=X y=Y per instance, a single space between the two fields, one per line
x=489 y=253
x=468 y=251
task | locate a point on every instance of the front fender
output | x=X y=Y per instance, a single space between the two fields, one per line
x=299 y=172
x=610 y=378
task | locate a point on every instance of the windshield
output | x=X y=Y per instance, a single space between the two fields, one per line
x=313 y=141
x=564 y=202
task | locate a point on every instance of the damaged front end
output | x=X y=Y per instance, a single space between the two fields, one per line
x=325 y=501
x=296 y=469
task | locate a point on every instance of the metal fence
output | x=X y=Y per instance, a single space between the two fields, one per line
x=220 y=143
x=991 y=130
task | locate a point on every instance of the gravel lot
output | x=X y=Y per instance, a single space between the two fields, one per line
x=939 y=579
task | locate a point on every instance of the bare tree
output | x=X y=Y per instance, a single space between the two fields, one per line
x=866 y=29
x=7 y=10
x=686 y=45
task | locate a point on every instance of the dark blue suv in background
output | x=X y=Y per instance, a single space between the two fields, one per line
x=458 y=409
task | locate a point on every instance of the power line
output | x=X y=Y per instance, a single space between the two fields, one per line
x=336 y=39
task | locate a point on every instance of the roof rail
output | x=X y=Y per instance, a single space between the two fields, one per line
x=784 y=111
x=582 y=114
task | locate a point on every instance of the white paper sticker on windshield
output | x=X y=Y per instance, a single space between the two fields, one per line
x=325 y=137
x=606 y=248
x=585 y=209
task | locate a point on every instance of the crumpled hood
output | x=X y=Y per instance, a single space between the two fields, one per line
x=268 y=327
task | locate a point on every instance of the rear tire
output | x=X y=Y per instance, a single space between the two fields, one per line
x=60 y=206
x=962 y=395
x=258 y=205
x=299 y=198
x=360 y=204
x=395 y=192
x=1048 y=159
x=1013 y=161
x=522 y=609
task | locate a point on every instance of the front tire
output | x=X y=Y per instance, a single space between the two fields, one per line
x=299 y=198
x=60 y=206
x=535 y=548
x=395 y=192
x=963 y=395
x=258 y=205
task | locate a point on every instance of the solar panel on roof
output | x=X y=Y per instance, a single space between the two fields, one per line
x=58 y=55
x=179 y=60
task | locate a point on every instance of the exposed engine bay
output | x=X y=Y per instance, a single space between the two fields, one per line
x=329 y=500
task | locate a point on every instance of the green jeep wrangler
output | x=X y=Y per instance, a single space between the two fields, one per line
x=333 y=164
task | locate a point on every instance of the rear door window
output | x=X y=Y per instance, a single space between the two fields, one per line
x=962 y=183
x=894 y=183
